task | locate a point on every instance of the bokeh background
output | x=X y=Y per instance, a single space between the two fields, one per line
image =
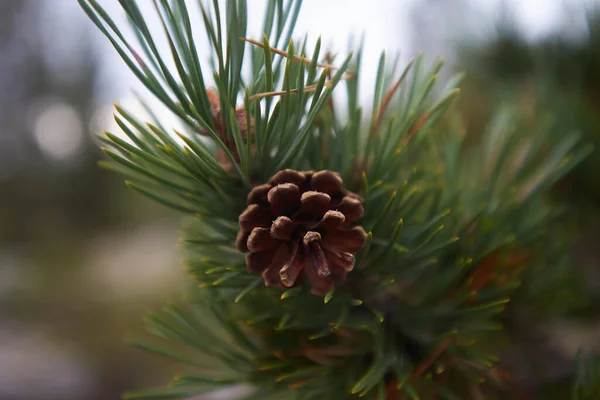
x=82 y=258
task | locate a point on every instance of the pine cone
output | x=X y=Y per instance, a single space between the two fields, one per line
x=300 y=225
x=240 y=115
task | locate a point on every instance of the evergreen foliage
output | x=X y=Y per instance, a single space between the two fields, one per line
x=452 y=229
x=555 y=75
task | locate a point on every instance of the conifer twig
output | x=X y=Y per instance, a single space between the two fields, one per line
x=301 y=59
x=348 y=73
x=309 y=88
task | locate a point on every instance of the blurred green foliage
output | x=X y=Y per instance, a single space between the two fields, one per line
x=556 y=80
x=52 y=215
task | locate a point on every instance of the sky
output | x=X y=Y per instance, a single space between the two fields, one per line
x=385 y=24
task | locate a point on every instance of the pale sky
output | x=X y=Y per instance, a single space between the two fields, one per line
x=385 y=24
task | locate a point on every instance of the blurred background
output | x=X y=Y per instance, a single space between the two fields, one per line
x=82 y=257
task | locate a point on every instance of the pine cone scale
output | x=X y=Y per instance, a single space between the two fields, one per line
x=259 y=261
x=258 y=195
x=315 y=253
x=342 y=259
x=260 y=239
x=349 y=241
x=314 y=203
x=284 y=199
x=292 y=269
x=330 y=221
x=241 y=241
x=327 y=182
x=282 y=228
x=319 y=285
x=352 y=209
x=280 y=259
x=255 y=217
x=288 y=176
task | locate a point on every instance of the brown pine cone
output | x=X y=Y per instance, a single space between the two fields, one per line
x=300 y=225
x=240 y=115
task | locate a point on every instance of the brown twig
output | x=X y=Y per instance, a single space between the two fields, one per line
x=299 y=383
x=296 y=58
x=482 y=274
x=384 y=105
x=422 y=367
x=309 y=88
x=416 y=127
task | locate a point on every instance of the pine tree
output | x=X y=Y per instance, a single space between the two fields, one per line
x=337 y=251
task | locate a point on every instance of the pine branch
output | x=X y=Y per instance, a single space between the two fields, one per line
x=444 y=223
